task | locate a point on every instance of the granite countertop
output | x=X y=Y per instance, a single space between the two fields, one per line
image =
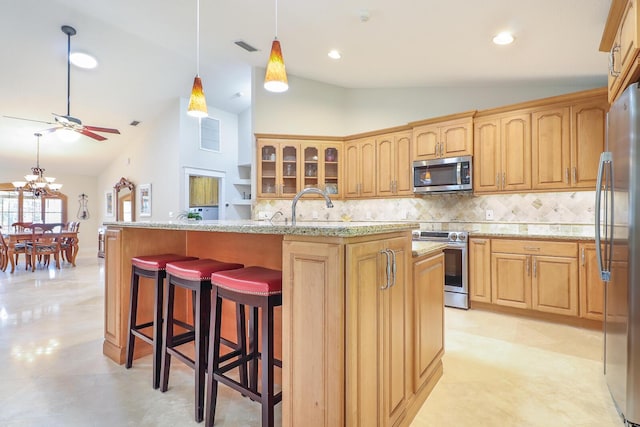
x=419 y=249
x=575 y=232
x=302 y=228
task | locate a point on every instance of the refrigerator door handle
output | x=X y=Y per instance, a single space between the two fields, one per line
x=604 y=265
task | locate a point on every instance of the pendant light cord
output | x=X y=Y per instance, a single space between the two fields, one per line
x=198 y=37
x=68 y=74
x=276 y=19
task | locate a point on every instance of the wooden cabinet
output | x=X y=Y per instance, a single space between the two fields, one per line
x=393 y=172
x=551 y=148
x=591 y=287
x=359 y=168
x=502 y=153
x=536 y=275
x=378 y=385
x=320 y=167
x=480 y=270
x=443 y=137
x=428 y=324
x=203 y=191
x=620 y=39
x=566 y=145
x=278 y=168
x=588 y=133
x=286 y=166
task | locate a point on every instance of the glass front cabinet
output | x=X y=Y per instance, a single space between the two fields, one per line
x=288 y=166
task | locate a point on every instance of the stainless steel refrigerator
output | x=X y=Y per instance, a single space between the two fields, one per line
x=618 y=245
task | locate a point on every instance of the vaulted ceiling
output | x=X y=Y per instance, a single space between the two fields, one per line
x=146 y=53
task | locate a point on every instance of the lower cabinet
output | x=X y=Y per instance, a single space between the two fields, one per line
x=591 y=287
x=378 y=343
x=537 y=275
x=480 y=270
x=428 y=323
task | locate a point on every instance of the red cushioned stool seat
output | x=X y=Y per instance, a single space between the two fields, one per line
x=153 y=267
x=260 y=288
x=195 y=276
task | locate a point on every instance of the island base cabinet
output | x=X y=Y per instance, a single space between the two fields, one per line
x=555 y=285
x=511 y=280
x=378 y=345
x=428 y=324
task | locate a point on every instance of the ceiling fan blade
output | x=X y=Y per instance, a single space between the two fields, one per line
x=28 y=120
x=90 y=134
x=99 y=129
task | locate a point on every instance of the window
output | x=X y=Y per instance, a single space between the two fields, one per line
x=18 y=206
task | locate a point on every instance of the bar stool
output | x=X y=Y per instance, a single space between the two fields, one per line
x=151 y=266
x=196 y=277
x=257 y=287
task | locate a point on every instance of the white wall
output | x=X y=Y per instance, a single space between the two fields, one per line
x=313 y=108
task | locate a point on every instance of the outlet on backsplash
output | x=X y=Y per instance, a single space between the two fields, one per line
x=488 y=214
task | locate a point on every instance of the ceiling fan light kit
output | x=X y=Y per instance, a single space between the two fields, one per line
x=275 y=79
x=197 y=101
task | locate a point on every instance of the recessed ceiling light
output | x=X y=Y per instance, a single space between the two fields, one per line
x=83 y=60
x=504 y=37
x=334 y=54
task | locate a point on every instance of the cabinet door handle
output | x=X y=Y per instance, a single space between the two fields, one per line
x=582 y=256
x=566 y=175
x=535 y=267
x=527 y=265
x=388 y=269
x=574 y=173
x=394 y=268
x=531 y=248
x=498 y=180
x=504 y=178
x=612 y=60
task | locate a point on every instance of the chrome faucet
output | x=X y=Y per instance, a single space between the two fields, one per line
x=302 y=193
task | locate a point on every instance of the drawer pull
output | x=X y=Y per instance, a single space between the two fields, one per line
x=531 y=248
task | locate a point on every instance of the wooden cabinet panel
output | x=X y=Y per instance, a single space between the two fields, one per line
x=588 y=133
x=352 y=179
x=487 y=167
x=591 y=287
x=428 y=300
x=386 y=170
x=516 y=152
x=403 y=164
x=555 y=285
x=551 y=153
x=367 y=168
x=394 y=164
x=448 y=138
x=535 y=247
x=480 y=270
x=377 y=378
x=511 y=284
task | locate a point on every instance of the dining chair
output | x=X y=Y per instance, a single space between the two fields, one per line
x=43 y=244
x=66 y=243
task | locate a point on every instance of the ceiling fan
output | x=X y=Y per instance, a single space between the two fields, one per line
x=67 y=121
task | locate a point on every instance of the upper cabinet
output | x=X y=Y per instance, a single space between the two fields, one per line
x=394 y=164
x=449 y=136
x=359 y=168
x=286 y=166
x=620 y=39
x=551 y=151
x=502 y=155
x=588 y=135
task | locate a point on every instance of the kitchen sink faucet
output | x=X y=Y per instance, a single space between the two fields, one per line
x=302 y=193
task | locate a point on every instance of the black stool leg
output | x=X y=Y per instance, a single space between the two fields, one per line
x=268 y=401
x=203 y=313
x=167 y=335
x=253 y=349
x=214 y=355
x=133 y=314
x=241 y=334
x=157 y=328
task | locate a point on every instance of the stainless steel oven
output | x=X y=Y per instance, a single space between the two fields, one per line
x=456 y=282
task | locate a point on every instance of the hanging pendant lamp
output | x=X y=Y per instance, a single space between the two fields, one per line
x=275 y=79
x=197 y=101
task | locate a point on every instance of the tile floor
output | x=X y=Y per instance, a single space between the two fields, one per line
x=499 y=370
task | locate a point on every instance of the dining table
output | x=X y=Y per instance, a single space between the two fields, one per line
x=69 y=237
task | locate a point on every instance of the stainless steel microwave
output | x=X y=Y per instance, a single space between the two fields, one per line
x=443 y=175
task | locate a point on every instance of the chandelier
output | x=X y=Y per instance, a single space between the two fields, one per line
x=36 y=182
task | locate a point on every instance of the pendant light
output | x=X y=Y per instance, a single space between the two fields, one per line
x=197 y=102
x=275 y=79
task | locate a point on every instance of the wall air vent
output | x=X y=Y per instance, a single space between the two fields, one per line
x=246 y=46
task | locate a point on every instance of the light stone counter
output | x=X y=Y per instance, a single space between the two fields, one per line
x=583 y=232
x=425 y=248
x=302 y=228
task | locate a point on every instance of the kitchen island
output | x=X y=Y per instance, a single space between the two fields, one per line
x=353 y=339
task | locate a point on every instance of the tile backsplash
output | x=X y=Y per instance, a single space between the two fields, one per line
x=532 y=208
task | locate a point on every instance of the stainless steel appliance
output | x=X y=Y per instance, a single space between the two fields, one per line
x=456 y=283
x=618 y=246
x=443 y=175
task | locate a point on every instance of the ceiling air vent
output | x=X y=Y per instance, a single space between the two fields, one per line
x=246 y=46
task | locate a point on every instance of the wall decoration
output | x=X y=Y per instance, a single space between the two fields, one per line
x=83 y=210
x=145 y=199
x=108 y=203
